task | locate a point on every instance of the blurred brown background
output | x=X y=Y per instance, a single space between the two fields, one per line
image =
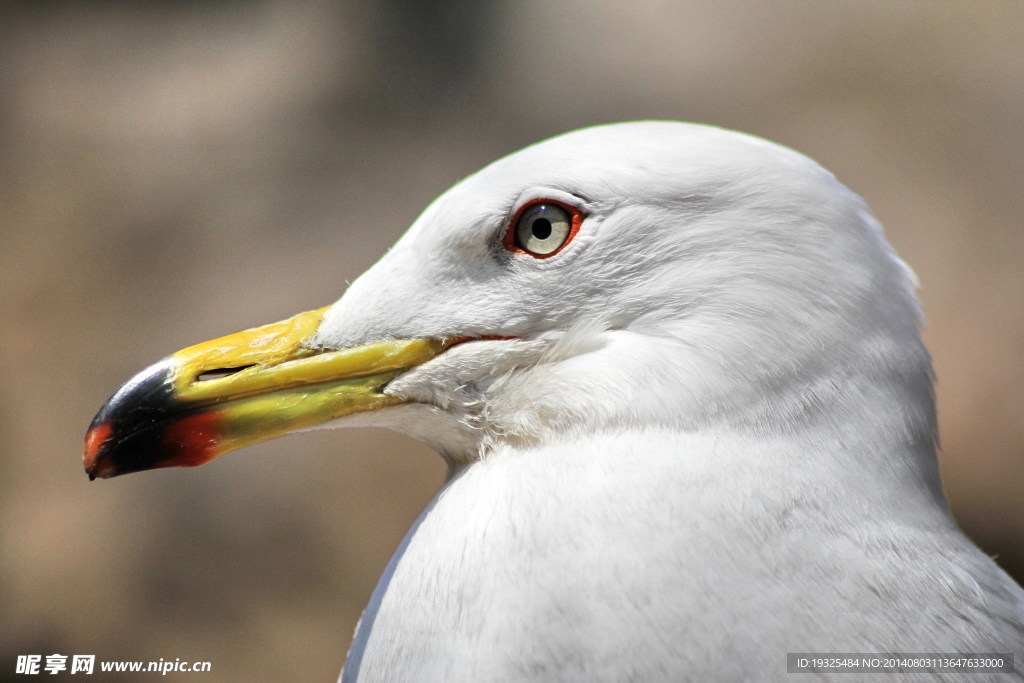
x=174 y=171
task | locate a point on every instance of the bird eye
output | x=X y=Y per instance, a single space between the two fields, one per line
x=541 y=229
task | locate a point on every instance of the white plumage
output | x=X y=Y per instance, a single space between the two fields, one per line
x=705 y=439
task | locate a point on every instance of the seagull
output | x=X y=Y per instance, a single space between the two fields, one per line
x=676 y=374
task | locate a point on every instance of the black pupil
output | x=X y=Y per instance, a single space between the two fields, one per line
x=542 y=228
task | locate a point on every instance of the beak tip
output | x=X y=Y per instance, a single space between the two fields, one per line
x=100 y=470
x=95 y=439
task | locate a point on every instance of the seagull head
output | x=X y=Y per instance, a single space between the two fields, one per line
x=637 y=275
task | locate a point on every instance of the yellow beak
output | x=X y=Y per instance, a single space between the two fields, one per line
x=247 y=387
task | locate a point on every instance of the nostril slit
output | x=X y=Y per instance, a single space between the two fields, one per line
x=219 y=373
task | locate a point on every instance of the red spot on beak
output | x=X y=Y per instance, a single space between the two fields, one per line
x=194 y=440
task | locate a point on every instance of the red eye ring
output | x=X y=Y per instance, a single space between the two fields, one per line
x=513 y=243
